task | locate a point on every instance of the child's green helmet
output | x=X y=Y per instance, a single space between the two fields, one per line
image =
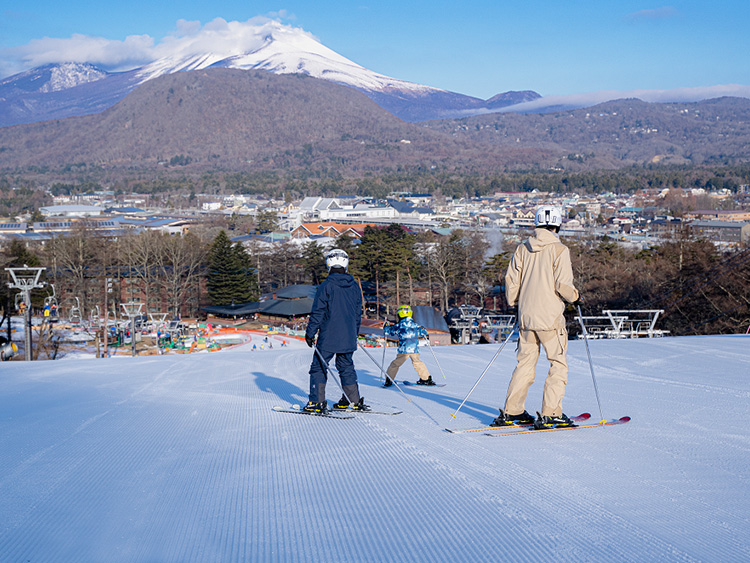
x=404 y=311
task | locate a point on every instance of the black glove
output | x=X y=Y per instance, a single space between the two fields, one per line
x=578 y=302
x=310 y=340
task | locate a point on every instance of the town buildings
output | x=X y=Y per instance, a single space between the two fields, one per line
x=642 y=218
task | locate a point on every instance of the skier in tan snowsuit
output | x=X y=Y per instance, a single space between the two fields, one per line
x=540 y=280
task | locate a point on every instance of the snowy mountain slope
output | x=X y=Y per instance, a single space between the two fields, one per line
x=53 y=78
x=279 y=49
x=179 y=458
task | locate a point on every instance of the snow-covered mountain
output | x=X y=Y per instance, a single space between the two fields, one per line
x=282 y=50
x=69 y=89
x=53 y=78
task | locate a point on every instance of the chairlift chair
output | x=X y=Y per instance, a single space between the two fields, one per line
x=50 y=303
x=75 y=313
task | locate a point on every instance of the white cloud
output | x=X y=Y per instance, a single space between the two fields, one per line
x=220 y=37
x=282 y=15
x=189 y=37
x=663 y=13
x=107 y=53
x=663 y=96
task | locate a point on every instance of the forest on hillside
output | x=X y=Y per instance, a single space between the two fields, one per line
x=702 y=289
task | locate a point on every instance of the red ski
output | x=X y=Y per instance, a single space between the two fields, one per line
x=580 y=418
x=622 y=420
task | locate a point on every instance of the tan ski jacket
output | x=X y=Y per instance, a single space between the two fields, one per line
x=539 y=278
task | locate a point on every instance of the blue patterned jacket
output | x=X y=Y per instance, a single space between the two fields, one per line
x=408 y=334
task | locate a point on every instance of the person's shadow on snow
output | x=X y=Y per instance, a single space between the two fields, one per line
x=369 y=375
x=280 y=387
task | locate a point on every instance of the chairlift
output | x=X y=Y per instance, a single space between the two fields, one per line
x=51 y=300
x=50 y=305
x=158 y=321
x=470 y=311
x=75 y=313
x=94 y=317
x=634 y=323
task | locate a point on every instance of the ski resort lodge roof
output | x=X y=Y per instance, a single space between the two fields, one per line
x=71 y=210
x=329 y=229
x=430 y=318
x=290 y=301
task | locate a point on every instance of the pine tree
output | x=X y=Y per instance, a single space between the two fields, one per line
x=314 y=262
x=231 y=278
x=247 y=288
x=382 y=252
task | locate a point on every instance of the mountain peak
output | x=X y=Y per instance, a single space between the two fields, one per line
x=54 y=77
x=511 y=98
x=273 y=47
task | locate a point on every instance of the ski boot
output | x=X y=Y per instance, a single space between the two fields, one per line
x=427 y=381
x=360 y=406
x=342 y=405
x=388 y=382
x=512 y=419
x=543 y=422
x=311 y=406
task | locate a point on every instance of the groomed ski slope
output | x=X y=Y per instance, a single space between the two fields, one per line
x=180 y=459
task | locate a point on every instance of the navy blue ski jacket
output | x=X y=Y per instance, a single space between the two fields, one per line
x=336 y=314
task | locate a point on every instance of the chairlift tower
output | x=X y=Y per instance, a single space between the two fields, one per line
x=132 y=310
x=26 y=279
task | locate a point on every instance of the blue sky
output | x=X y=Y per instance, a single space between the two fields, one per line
x=479 y=48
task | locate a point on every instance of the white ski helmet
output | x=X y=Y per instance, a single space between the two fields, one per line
x=337 y=257
x=548 y=216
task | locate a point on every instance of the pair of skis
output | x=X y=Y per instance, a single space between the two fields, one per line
x=513 y=429
x=340 y=414
x=408 y=383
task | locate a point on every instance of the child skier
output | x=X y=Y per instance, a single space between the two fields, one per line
x=335 y=318
x=408 y=333
x=540 y=281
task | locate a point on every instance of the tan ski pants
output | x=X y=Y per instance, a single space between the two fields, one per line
x=555 y=343
x=415 y=361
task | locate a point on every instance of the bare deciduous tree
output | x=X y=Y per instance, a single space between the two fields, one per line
x=180 y=261
x=74 y=260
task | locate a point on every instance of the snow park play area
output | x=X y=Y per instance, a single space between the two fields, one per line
x=180 y=458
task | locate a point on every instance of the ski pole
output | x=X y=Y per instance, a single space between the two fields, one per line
x=486 y=369
x=435 y=357
x=385 y=345
x=591 y=365
x=328 y=370
x=374 y=361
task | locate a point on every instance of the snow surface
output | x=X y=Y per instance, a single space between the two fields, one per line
x=270 y=46
x=69 y=75
x=180 y=458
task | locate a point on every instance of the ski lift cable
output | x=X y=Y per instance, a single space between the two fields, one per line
x=743 y=255
x=709 y=281
x=695 y=287
x=696 y=277
x=725 y=268
x=722 y=314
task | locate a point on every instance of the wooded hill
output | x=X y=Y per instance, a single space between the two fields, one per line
x=223 y=119
x=234 y=119
x=620 y=133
